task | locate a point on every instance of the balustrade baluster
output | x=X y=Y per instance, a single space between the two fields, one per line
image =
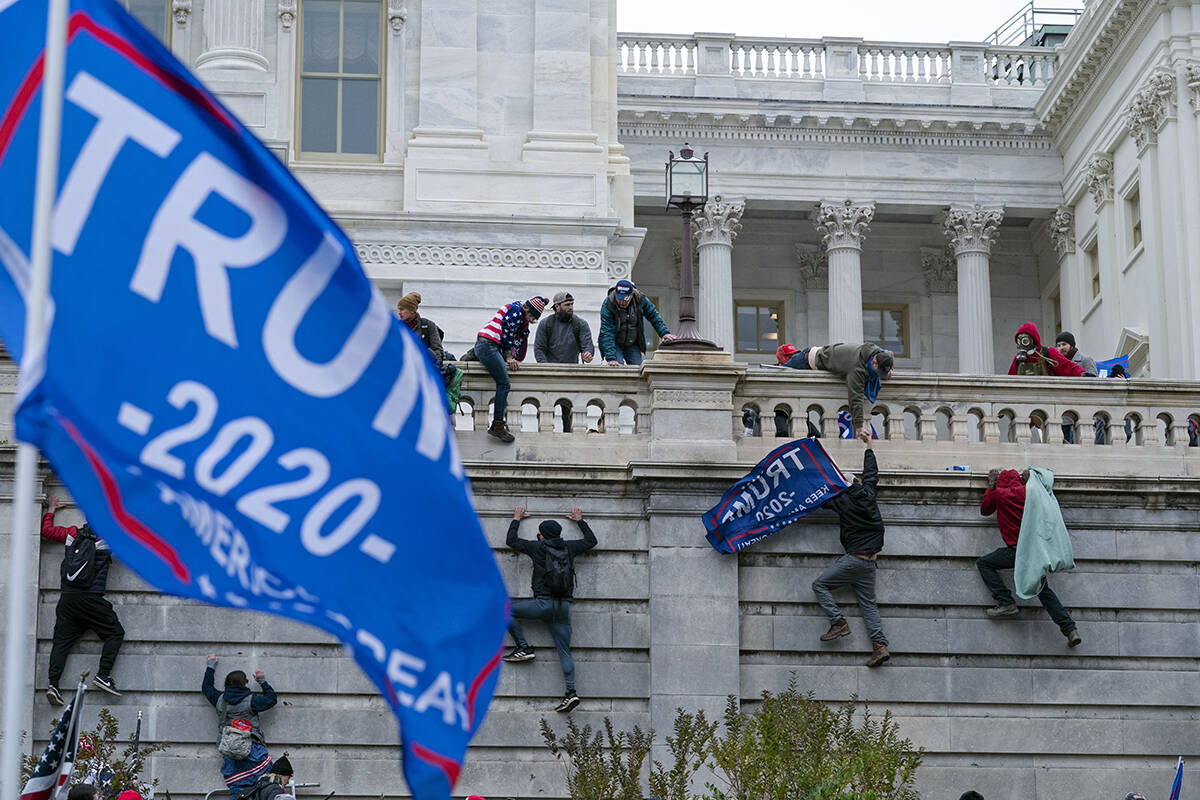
x=655 y=60
x=758 y=61
x=927 y=426
x=991 y=430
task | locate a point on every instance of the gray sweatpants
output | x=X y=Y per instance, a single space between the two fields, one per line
x=859 y=574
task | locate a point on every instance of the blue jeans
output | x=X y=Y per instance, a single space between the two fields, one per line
x=1004 y=558
x=489 y=355
x=628 y=354
x=556 y=613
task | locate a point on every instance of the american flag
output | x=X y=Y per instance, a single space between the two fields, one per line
x=52 y=773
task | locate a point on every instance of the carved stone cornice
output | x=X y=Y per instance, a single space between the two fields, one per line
x=1098 y=177
x=813 y=261
x=972 y=230
x=1152 y=105
x=718 y=222
x=470 y=256
x=181 y=11
x=1191 y=74
x=844 y=224
x=287 y=14
x=619 y=269
x=941 y=271
x=1061 y=228
x=1094 y=40
x=397 y=14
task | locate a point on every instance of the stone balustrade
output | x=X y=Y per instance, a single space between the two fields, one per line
x=927 y=422
x=819 y=59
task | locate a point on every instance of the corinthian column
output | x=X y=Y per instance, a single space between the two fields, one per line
x=971 y=232
x=844 y=225
x=233 y=35
x=716 y=226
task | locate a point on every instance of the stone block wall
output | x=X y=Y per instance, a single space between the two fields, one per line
x=663 y=621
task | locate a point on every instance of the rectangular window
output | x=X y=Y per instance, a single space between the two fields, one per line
x=341 y=78
x=887 y=326
x=651 y=334
x=1091 y=255
x=758 y=326
x=155 y=16
x=1134 y=206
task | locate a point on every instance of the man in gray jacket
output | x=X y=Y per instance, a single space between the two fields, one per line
x=562 y=337
x=1065 y=342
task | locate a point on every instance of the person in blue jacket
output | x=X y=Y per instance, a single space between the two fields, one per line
x=237 y=704
x=622 y=337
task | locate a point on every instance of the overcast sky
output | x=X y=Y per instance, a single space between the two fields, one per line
x=932 y=21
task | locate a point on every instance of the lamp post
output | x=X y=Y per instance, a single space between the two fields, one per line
x=687 y=190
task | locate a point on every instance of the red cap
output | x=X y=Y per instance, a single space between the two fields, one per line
x=129 y=794
x=785 y=352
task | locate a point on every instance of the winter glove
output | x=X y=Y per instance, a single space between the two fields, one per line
x=211 y=661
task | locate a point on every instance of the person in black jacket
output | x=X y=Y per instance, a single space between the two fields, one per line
x=862 y=538
x=549 y=605
x=238 y=703
x=81 y=608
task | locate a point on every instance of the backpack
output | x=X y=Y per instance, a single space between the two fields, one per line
x=560 y=576
x=79 y=563
x=235 y=740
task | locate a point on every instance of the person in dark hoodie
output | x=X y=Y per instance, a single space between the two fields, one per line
x=1033 y=358
x=1005 y=497
x=81 y=606
x=862 y=366
x=273 y=784
x=553 y=588
x=862 y=539
x=238 y=708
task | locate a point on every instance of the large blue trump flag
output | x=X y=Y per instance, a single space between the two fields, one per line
x=790 y=482
x=224 y=392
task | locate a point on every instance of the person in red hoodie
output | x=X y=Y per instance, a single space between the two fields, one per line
x=1034 y=359
x=1005 y=497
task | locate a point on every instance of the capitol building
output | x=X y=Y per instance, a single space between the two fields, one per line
x=928 y=197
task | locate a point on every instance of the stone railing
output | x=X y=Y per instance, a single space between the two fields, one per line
x=927 y=422
x=719 y=55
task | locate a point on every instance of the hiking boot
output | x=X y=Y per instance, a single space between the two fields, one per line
x=53 y=696
x=518 y=654
x=1073 y=639
x=879 y=655
x=569 y=702
x=500 y=431
x=107 y=684
x=839 y=628
x=1009 y=610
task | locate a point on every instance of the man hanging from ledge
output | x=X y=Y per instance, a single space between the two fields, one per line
x=1005 y=497
x=862 y=366
x=862 y=538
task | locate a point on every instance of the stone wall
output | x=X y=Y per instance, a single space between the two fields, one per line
x=663 y=621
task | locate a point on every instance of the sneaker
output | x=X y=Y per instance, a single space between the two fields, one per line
x=569 y=702
x=1073 y=639
x=53 y=696
x=500 y=431
x=107 y=684
x=839 y=628
x=879 y=655
x=1009 y=610
x=519 y=654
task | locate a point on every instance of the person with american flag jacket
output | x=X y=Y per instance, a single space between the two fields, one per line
x=500 y=346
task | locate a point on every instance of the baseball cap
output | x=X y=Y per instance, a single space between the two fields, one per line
x=624 y=288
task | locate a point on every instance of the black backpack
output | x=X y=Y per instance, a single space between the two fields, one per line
x=560 y=576
x=79 y=563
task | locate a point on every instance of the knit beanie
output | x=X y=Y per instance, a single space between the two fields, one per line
x=536 y=306
x=410 y=301
x=129 y=794
x=1065 y=336
x=550 y=529
x=282 y=766
x=784 y=353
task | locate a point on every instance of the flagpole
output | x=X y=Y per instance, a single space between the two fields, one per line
x=16 y=651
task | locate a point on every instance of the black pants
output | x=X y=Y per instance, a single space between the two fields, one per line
x=1005 y=558
x=76 y=614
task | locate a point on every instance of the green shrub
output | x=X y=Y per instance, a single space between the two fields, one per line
x=789 y=747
